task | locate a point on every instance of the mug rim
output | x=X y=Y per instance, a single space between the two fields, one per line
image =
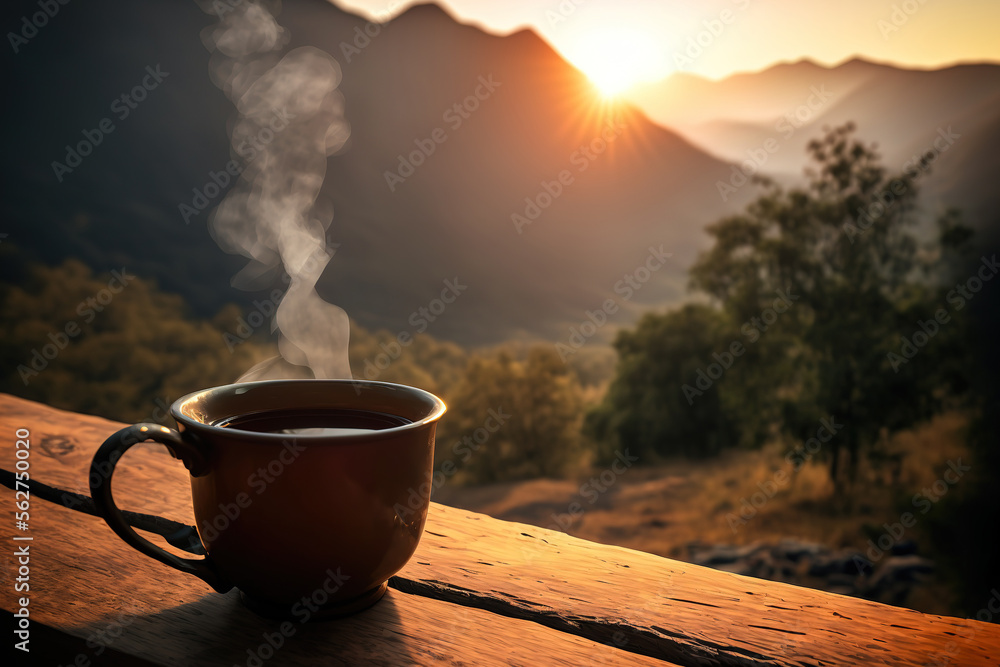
x=185 y=420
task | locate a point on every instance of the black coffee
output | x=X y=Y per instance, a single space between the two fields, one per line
x=329 y=420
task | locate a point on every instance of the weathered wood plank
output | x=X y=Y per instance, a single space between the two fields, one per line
x=649 y=605
x=114 y=600
x=88 y=584
x=50 y=646
x=673 y=610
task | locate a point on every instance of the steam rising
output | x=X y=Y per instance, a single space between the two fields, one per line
x=291 y=118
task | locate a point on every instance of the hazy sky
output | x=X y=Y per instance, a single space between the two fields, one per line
x=651 y=39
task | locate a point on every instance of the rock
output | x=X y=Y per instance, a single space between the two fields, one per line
x=904 y=548
x=795 y=550
x=722 y=554
x=839 y=580
x=838 y=562
x=809 y=564
x=899 y=569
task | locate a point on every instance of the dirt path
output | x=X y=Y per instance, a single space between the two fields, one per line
x=666 y=509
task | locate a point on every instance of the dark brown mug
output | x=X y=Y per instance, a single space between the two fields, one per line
x=306 y=524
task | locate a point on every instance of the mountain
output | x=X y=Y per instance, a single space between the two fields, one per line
x=903 y=111
x=506 y=199
x=685 y=99
x=399 y=238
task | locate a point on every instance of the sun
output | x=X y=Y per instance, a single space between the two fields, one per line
x=616 y=60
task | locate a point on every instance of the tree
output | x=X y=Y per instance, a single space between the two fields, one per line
x=656 y=404
x=423 y=361
x=111 y=345
x=831 y=302
x=842 y=245
x=514 y=419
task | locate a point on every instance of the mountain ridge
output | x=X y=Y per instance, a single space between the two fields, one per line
x=602 y=184
x=452 y=217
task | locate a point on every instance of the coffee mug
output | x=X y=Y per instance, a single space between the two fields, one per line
x=306 y=493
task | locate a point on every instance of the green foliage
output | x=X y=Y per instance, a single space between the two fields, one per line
x=841 y=247
x=539 y=402
x=135 y=351
x=645 y=408
x=843 y=243
x=430 y=364
x=849 y=271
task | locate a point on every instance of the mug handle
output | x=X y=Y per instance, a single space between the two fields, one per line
x=102 y=469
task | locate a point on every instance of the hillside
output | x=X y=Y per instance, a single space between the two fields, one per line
x=902 y=111
x=694 y=511
x=501 y=155
x=471 y=156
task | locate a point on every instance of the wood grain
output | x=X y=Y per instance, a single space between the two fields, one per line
x=111 y=597
x=88 y=584
x=502 y=581
x=673 y=610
